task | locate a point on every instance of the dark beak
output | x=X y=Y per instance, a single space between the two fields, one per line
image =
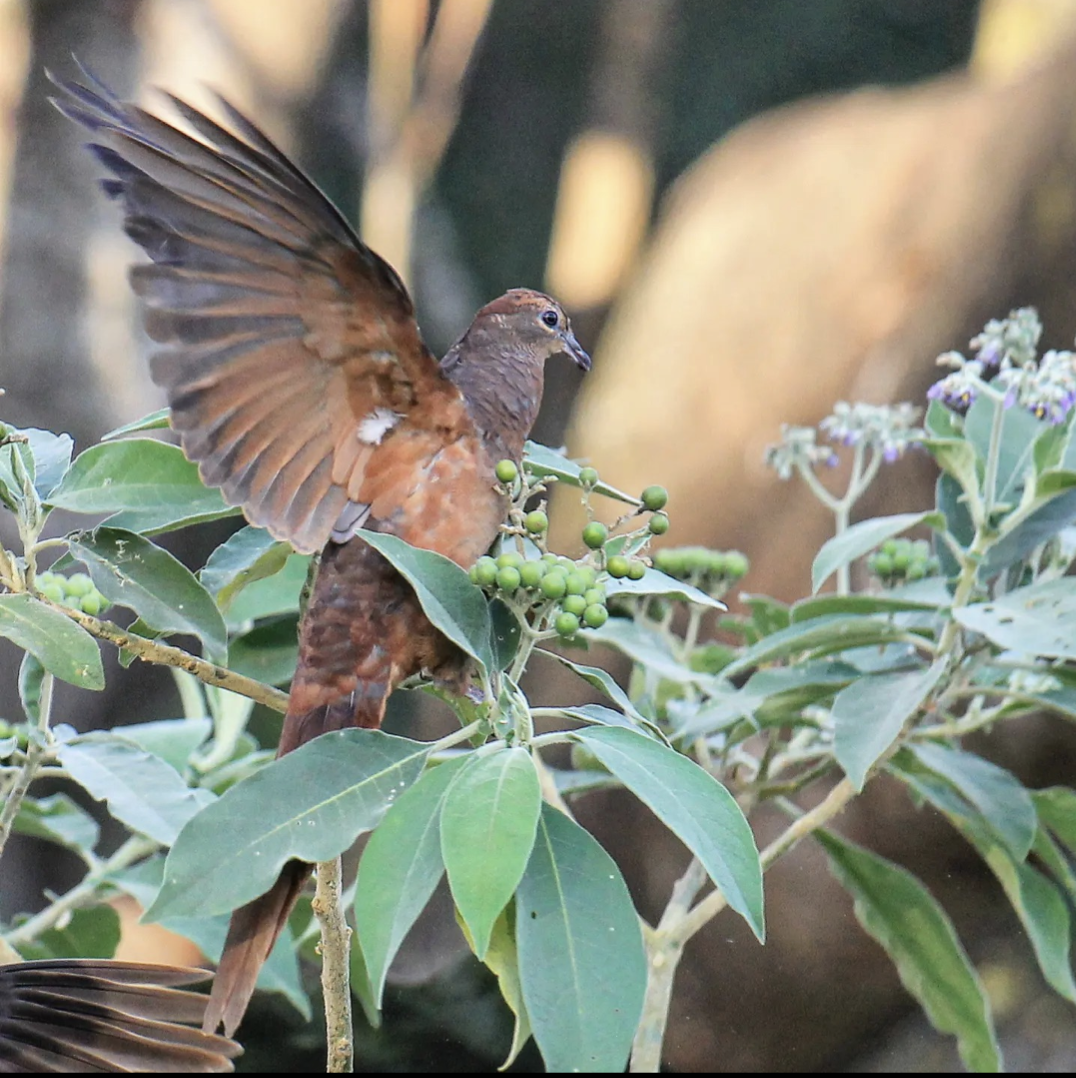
x=574 y=349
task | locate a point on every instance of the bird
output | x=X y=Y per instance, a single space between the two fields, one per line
x=66 y=1015
x=299 y=382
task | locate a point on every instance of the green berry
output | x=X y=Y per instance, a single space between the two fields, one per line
x=506 y=471
x=636 y=570
x=588 y=477
x=550 y=559
x=916 y=571
x=655 y=498
x=53 y=591
x=618 y=566
x=890 y=547
x=508 y=579
x=589 y=576
x=576 y=583
x=882 y=565
x=566 y=624
x=92 y=603
x=659 y=524
x=574 y=604
x=669 y=561
x=594 y=595
x=901 y=561
x=536 y=522
x=484 y=572
x=554 y=584
x=595 y=534
x=717 y=563
x=736 y=564
x=509 y=560
x=531 y=573
x=78 y=584
x=595 y=616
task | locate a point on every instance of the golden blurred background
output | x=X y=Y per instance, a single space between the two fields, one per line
x=752 y=209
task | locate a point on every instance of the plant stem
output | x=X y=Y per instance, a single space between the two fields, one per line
x=335 y=947
x=993 y=454
x=36 y=753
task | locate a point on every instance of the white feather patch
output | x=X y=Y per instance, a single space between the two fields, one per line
x=377 y=424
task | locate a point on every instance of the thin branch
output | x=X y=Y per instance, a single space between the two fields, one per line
x=335 y=948
x=36 y=753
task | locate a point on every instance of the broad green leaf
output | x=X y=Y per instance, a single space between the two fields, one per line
x=1056 y=807
x=1019 y=431
x=17 y=489
x=141 y=790
x=51 y=458
x=451 y=602
x=1044 y=523
x=643 y=645
x=541 y=461
x=86 y=933
x=824 y=605
x=399 y=870
x=952 y=502
x=1050 y=445
x=1036 y=901
x=654 y=582
x=1048 y=851
x=248 y=555
x=820 y=636
x=942 y=422
x=862 y=538
x=895 y=909
x=502 y=959
x=31 y=675
x=268 y=653
x=768 y=615
x=998 y=795
x=694 y=806
x=581 y=959
x=601 y=680
x=58 y=819
x=62 y=647
x=141 y=478
x=1054 y=482
x=309 y=805
x=361 y=988
x=870 y=713
x=504 y=634
x=957 y=459
x=1039 y=619
x=172 y=740
x=270 y=596
x=599 y=715
x=133 y=572
x=158 y=420
x=488 y=823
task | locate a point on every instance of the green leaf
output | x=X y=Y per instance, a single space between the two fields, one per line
x=862 y=538
x=488 y=823
x=694 y=806
x=1056 y=807
x=150 y=483
x=172 y=740
x=62 y=647
x=451 y=602
x=272 y=595
x=542 y=461
x=268 y=653
x=133 y=572
x=647 y=647
x=1036 y=901
x=824 y=605
x=158 y=420
x=502 y=959
x=141 y=790
x=51 y=458
x=952 y=502
x=957 y=459
x=819 y=636
x=942 y=422
x=870 y=713
x=399 y=870
x=599 y=715
x=309 y=805
x=31 y=675
x=1050 y=445
x=1020 y=431
x=58 y=819
x=654 y=582
x=998 y=796
x=581 y=959
x=603 y=681
x=895 y=909
x=86 y=933
x=1039 y=619
x=504 y=634
x=1044 y=523
x=250 y=554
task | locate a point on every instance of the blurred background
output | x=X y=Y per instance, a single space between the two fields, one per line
x=752 y=209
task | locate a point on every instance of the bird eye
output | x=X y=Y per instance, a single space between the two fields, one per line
x=550 y=318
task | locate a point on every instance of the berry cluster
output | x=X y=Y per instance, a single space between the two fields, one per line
x=76 y=591
x=899 y=561
x=712 y=571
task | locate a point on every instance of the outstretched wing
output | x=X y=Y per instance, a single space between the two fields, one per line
x=96 y=1015
x=290 y=349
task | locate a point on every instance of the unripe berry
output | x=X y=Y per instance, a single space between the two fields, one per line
x=506 y=471
x=509 y=560
x=594 y=595
x=566 y=624
x=576 y=583
x=588 y=477
x=484 y=572
x=52 y=590
x=655 y=498
x=531 y=573
x=554 y=584
x=669 y=561
x=78 y=584
x=91 y=603
x=902 y=560
x=595 y=534
x=574 y=604
x=508 y=579
x=536 y=522
x=636 y=570
x=882 y=565
x=659 y=524
x=736 y=564
x=595 y=616
x=618 y=566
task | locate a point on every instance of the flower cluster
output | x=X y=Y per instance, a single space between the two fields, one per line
x=889 y=429
x=798 y=448
x=1005 y=359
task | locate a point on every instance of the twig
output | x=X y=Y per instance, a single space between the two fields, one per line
x=36 y=752
x=335 y=947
